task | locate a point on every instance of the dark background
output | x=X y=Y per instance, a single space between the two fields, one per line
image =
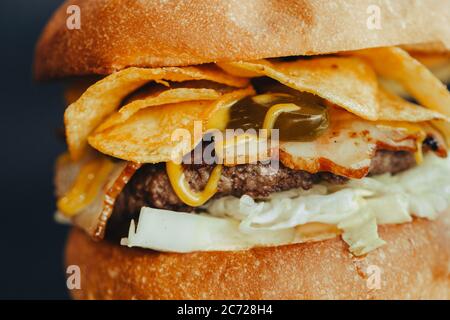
x=31 y=259
x=32 y=244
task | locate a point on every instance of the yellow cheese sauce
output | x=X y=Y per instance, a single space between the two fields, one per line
x=413 y=129
x=184 y=191
x=90 y=179
x=275 y=111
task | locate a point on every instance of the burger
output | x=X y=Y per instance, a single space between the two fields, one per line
x=291 y=149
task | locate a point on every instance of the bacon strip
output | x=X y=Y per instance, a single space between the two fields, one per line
x=94 y=217
x=349 y=145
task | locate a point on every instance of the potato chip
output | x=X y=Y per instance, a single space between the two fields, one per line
x=434 y=61
x=104 y=97
x=165 y=97
x=237 y=71
x=347 y=82
x=395 y=63
x=161 y=133
x=395 y=108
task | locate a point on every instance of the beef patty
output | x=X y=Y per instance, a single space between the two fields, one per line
x=151 y=186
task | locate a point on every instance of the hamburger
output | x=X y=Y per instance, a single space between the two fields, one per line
x=254 y=150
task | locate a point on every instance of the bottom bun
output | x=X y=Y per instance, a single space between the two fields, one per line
x=414 y=264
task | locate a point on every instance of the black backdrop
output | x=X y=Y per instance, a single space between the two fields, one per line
x=31 y=259
x=31 y=256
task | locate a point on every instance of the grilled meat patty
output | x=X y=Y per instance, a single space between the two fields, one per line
x=151 y=186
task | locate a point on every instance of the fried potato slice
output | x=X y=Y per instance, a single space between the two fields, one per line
x=105 y=96
x=396 y=64
x=169 y=96
x=395 y=108
x=238 y=71
x=347 y=82
x=161 y=133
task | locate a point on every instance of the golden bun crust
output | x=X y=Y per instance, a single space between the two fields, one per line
x=414 y=265
x=115 y=34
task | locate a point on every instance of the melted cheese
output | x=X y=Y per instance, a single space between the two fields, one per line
x=274 y=112
x=90 y=179
x=413 y=129
x=184 y=191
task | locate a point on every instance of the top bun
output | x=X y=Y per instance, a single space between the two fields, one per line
x=116 y=34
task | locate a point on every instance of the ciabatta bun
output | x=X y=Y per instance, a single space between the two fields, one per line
x=414 y=264
x=115 y=34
